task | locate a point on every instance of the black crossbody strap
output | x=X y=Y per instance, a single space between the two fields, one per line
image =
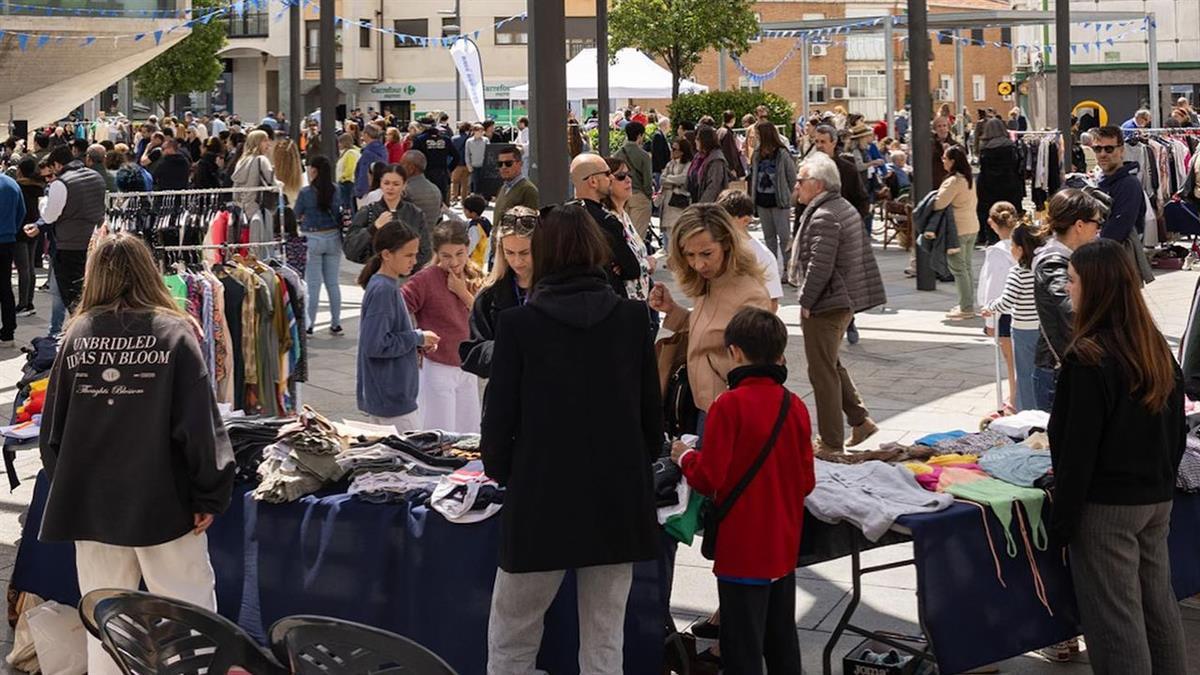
x=724 y=508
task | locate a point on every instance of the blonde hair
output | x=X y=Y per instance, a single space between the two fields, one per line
x=499 y=262
x=250 y=150
x=393 y=135
x=120 y=276
x=715 y=220
x=286 y=161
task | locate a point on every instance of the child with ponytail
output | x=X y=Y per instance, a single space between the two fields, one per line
x=998 y=261
x=387 y=342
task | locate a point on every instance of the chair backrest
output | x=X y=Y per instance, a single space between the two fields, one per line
x=316 y=645
x=151 y=635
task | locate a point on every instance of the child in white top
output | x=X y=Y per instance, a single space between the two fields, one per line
x=998 y=260
x=741 y=208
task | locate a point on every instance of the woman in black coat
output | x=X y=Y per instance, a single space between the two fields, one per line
x=507 y=286
x=209 y=172
x=571 y=425
x=999 y=177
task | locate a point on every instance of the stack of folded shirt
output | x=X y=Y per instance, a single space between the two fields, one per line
x=302 y=459
x=412 y=483
x=248 y=436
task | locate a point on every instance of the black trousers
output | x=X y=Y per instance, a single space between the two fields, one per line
x=757 y=623
x=8 y=305
x=68 y=272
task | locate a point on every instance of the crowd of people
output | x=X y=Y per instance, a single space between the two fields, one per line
x=554 y=311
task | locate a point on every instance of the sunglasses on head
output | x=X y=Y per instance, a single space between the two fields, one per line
x=505 y=163
x=522 y=225
x=1105 y=149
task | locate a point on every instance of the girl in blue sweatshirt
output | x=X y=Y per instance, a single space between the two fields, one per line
x=387 y=343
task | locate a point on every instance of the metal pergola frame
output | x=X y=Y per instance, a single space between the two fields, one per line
x=955 y=22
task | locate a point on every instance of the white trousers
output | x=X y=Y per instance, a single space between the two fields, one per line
x=403 y=423
x=517 y=620
x=178 y=569
x=448 y=398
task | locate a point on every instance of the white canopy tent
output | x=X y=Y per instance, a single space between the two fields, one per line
x=634 y=75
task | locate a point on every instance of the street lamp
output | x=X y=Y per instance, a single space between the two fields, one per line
x=457 y=28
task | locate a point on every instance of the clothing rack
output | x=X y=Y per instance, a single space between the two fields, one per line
x=221 y=247
x=1048 y=132
x=113 y=196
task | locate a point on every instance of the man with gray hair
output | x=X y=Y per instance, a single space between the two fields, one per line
x=835 y=270
x=423 y=194
x=373 y=151
x=94 y=160
x=1140 y=120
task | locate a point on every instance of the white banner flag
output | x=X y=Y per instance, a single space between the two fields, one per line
x=470 y=68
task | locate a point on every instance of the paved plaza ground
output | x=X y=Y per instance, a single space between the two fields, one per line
x=917 y=372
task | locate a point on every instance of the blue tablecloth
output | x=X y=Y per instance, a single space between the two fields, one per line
x=403 y=569
x=972 y=620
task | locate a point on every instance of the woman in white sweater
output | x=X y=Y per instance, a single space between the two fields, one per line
x=957 y=192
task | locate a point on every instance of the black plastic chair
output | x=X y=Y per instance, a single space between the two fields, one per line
x=151 y=635
x=318 y=645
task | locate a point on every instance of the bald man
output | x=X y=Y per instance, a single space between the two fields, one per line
x=593 y=184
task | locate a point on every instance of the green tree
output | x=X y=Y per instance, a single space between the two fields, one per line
x=189 y=65
x=679 y=31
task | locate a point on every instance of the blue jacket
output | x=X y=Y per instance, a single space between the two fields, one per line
x=372 y=152
x=460 y=148
x=311 y=217
x=387 y=351
x=1128 y=208
x=12 y=209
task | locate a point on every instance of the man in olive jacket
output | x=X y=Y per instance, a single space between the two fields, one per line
x=835 y=270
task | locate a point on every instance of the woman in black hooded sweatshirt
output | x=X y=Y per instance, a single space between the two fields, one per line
x=572 y=423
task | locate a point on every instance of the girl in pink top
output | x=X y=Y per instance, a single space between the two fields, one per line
x=440 y=298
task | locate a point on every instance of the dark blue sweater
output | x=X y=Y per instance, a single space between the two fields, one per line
x=1128 y=203
x=12 y=209
x=387 y=351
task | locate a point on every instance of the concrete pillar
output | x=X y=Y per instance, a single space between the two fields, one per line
x=1062 y=74
x=919 y=53
x=1152 y=58
x=547 y=94
x=889 y=66
x=805 y=52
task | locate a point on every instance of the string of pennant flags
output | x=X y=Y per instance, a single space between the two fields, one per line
x=825 y=37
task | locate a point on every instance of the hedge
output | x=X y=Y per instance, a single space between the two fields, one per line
x=691 y=107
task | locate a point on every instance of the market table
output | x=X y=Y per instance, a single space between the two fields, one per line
x=406 y=570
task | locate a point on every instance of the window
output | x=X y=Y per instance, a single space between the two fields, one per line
x=576 y=45
x=977 y=36
x=946 y=87
x=757 y=36
x=515 y=32
x=865 y=48
x=418 y=27
x=866 y=84
x=447 y=22
x=1006 y=35
x=312 y=46
x=364 y=33
x=978 y=88
x=250 y=23
x=818 y=89
x=945 y=37
x=746 y=84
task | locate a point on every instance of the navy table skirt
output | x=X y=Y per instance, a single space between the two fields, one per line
x=403 y=569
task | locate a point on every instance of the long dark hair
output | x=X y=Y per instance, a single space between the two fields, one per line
x=962 y=166
x=390 y=237
x=706 y=139
x=769 y=141
x=323 y=184
x=1112 y=321
x=686 y=151
x=1029 y=241
x=566 y=238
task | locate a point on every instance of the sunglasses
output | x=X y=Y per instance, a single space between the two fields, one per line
x=599 y=173
x=505 y=163
x=522 y=226
x=1105 y=149
x=620 y=176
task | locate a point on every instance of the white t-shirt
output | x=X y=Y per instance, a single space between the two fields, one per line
x=768 y=261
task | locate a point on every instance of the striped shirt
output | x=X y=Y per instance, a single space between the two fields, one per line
x=1017 y=299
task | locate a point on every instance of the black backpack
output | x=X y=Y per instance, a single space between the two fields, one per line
x=680 y=414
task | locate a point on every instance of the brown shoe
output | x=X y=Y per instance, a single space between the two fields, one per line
x=862 y=432
x=820 y=449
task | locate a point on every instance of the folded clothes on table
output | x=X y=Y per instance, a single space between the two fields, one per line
x=467 y=495
x=248 y=436
x=1188 y=476
x=1016 y=464
x=972 y=444
x=287 y=474
x=871 y=495
x=413 y=484
x=437 y=448
x=1022 y=424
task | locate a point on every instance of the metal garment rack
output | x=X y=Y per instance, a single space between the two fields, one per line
x=113 y=196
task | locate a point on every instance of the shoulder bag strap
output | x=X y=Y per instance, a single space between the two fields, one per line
x=724 y=508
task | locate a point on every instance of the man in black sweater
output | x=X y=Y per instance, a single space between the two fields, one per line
x=593 y=182
x=174 y=169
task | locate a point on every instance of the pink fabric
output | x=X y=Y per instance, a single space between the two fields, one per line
x=943 y=476
x=434 y=307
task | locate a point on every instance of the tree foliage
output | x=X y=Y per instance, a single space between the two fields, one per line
x=691 y=107
x=189 y=65
x=678 y=32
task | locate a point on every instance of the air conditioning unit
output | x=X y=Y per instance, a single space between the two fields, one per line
x=838 y=93
x=1023 y=60
x=943 y=95
x=820 y=50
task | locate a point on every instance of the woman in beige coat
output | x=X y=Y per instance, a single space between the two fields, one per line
x=715 y=267
x=957 y=192
x=674 y=182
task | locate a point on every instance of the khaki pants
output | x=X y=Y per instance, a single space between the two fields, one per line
x=178 y=569
x=458 y=183
x=832 y=387
x=639 y=208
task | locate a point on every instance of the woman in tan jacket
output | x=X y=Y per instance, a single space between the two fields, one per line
x=714 y=266
x=957 y=192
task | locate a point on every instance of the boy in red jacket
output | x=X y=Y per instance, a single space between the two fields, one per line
x=759 y=540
